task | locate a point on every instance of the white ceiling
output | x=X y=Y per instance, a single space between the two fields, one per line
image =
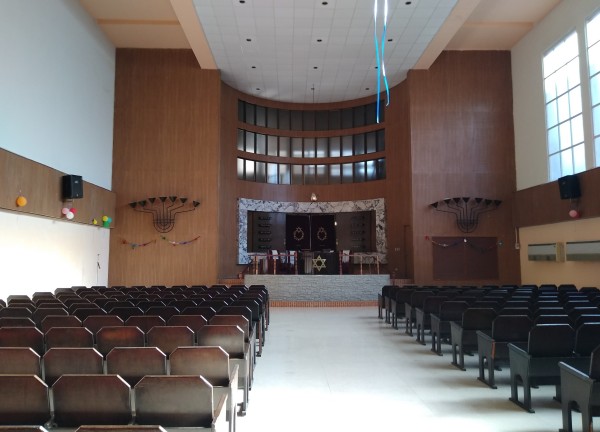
x=315 y=50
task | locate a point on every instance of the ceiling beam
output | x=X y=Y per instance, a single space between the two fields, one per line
x=457 y=18
x=190 y=23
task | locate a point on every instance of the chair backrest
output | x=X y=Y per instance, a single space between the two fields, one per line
x=478 y=318
x=452 y=310
x=553 y=319
x=22 y=337
x=212 y=362
x=16 y=311
x=551 y=340
x=16 y=322
x=206 y=311
x=61 y=361
x=145 y=322
x=195 y=322
x=40 y=313
x=168 y=338
x=71 y=337
x=594 y=372
x=587 y=338
x=238 y=320
x=59 y=321
x=96 y=322
x=237 y=310
x=165 y=312
x=91 y=399
x=432 y=304
x=511 y=328
x=84 y=312
x=174 y=401
x=19 y=361
x=108 y=338
x=124 y=312
x=32 y=406
x=418 y=297
x=133 y=363
x=228 y=337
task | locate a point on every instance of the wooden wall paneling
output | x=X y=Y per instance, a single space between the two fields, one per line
x=41 y=186
x=541 y=205
x=462 y=145
x=166 y=143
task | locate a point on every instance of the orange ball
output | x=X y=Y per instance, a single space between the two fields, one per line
x=21 y=201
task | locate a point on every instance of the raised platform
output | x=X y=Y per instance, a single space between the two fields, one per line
x=321 y=290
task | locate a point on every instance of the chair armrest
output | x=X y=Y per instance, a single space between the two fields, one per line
x=220 y=414
x=483 y=335
x=574 y=373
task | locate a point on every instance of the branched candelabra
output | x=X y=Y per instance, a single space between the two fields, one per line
x=466 y=210
x=164 y=209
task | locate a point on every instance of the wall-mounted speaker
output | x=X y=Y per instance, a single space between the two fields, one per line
x=569 y=187
x=72 y=187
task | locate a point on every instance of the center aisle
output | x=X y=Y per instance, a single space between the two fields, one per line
x=332 y=369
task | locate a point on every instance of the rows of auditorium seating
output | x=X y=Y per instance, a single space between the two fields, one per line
x=130 y=356
x=546 y=335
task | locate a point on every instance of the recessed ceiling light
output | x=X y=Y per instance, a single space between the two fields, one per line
x=315 y=67
x=319 y=40
x=324 y=3
x=253 y=67
x=242 y=1
x=257 y=89
x=367 y=88
x=408 y=3
x=390 y=40
x=248 y=40
x=376 y=67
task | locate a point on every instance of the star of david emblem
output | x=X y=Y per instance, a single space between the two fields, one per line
x=319 y=263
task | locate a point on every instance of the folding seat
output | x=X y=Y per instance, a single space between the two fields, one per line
x=231 y=339
x=133 y=363
x=463 y=334
x=108 y=338
x=60 y=321
x=69 y=337
x=536 y=363
x=416 y=300
x=22 y=337
x=31 y=407
x=20 y=360
x=91 y=399
x=492 y=345
x=212 y=363
x=423 y=315
x=249 y=335
x=258 y=321
x=168 y=338
x=440 y=323
x=179 y=401
x=74 y=361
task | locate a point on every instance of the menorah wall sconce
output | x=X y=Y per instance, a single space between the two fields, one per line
x=164 y=209
x=466 y=210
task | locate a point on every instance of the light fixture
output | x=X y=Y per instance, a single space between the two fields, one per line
x=313 y=197
x=164 y=209
x=466 y=210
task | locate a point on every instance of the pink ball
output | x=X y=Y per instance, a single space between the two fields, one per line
x=574 y=214
x=65 y=211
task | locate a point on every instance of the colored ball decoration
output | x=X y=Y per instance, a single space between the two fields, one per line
x=65 y=210
x=73 y=210
x=94 y=221
x=104 y=218
x=21 y=201
x=70 y=215
x=574 y=214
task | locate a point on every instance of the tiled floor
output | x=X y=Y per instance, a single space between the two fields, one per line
x=343 y=369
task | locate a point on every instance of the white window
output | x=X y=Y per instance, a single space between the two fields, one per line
x=564 y=120
x=593 y=53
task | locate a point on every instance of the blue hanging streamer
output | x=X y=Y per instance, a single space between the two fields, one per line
x=379 y=56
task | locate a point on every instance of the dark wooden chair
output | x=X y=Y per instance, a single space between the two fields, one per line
x=168 y=338
x=91 y=400
x=492 y=345
x=16 y=311
x=416 y=300
x=580 y=390
x=108 y=338
x=423 y=315
x=587 y=338
x=84 y=312
x=165 y=312
x=133 y=363
x=440 y=323
x=536 y=363
x=40 y=313
x=60 y=321
x=384 y=301
x=463 y=334
x=195 y=322
x=179 y=401
x=250 y=338
x=22 y=337
x=205 y=311
x=61 y=361
x=69 y=337
x=213 y=364
x=124 y=312
x=397 y=308
x=20 y=360
x=258 y=321
x=32 y=407
x=231 y=339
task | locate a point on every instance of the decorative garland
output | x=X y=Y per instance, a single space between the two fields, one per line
x=180 y=243
x=464 y=241
x=298 y=234
x=137 y=245
x=322 y=234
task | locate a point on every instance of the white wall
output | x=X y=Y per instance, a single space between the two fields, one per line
x=56 y=108
x=528 y=97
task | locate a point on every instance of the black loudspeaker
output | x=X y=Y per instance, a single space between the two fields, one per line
x=72 y=187
x=569 y=187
